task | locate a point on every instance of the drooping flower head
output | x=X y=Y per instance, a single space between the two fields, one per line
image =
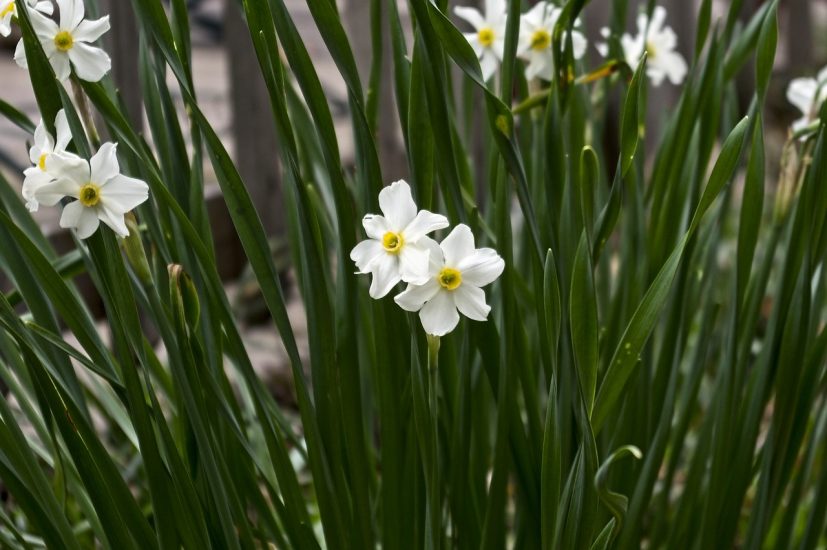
x=534 y=45
x=659 y=42
x=103 y=194
x=807 y=95
x=44 y=146
x=393 y=251
x=488 y=38
x=456 y=272
x=8 y=10
x=69 y=44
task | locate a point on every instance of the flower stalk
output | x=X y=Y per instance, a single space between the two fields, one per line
x=435 y=492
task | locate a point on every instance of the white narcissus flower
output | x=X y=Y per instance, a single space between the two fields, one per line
x=807 y=95
x=456 y=273
x=8 y=10
x=393 y=252
x=488 y=38
x=103 y=194
x=44 y=146
x=69 y=43
x=659 y=42
x=534 y=45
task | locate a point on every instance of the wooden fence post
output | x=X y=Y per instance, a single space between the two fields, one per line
x=256 y=150
x=122 y=45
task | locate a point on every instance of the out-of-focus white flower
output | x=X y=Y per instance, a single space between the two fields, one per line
x=534 y=46
x=488 y=38
x=456 y=273
x=807 y=95
x=69 y=43
x=659 y=42
x=103 y=194
x=44 y=146
x=8 y=10
x=393 y=251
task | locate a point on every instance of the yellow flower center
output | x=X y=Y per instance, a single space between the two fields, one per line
x=540 y=40
x=449 y=278
x=64 y=41
x=651 y=51
x=41 y=162
x=7 y=10
x=486 y=36
x=393 y=242
x=90 y=195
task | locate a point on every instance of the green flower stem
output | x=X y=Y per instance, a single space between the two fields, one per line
x=435 y=494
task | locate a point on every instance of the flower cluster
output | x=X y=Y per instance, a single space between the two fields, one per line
x=8 y=10
x=536 y=28
x=658 y=41
x=101 y=192
x=807 y=95
x=68 y=41
x=535 y=37
x=444 y=279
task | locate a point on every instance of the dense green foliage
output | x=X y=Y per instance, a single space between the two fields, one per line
x=652 y=372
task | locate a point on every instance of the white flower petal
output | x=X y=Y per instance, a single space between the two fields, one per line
x=656 y=74
x=801 y=92
x=364 y=253
x=423 y=223
x=104 y=164
x=375 y=226
x=674 y=66
x=114 y=219
x=397 y=204
x=658 y=19
x=51 y=193
x=471 y=15
x=91 y=63
x=439 y=316
x=413 y=264
x=45 y=29
x=20 y=55
x=89 y=31
x=579 y=44
x=415 y=296
x=84 y=220
x=122 y=193
x=64 y=134
x=536 y=15
x=457 y=245
x=472 y=39
x=495 y=9
x=71 y=13
x=488 y=64
x=71 y=215
x=385 y=270
x=541 y=65
x=482 y=267
x=34 y=179
x=43 y=7
x=60 y=64
x=470 y=301
x=41 y=143
x=68 y=166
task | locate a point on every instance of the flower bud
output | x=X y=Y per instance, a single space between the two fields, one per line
x=133 y=246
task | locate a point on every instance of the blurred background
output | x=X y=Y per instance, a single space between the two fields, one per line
x=232 y=94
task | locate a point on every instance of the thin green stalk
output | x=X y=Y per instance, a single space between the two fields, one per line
x=434 y=479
